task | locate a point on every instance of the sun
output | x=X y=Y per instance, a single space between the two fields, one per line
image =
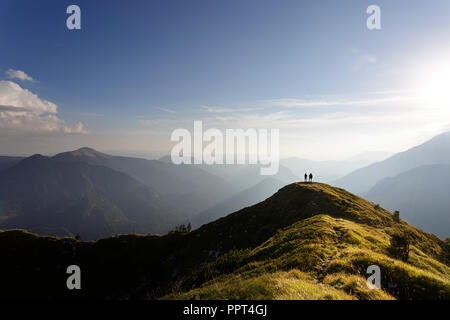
x=436 y=84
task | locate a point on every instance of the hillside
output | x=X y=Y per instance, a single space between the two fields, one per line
x=421 y=196
x=65 y=198
x=307 y=241
x=434 y=151
x=8 y=162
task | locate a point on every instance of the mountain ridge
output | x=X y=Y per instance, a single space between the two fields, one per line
x=7 y=162
x=174 y=182
x=433 y=151
x=418 y=203
x=97 y=202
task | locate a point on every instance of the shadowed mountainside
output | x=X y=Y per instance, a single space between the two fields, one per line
x=421 y=196
x=65 y=198
x=186 y=186
x=434 y=151
x=8 y=162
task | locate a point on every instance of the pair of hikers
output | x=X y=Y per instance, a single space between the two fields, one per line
x=310 y=177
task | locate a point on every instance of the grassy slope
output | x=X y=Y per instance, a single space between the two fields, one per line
x=332 y=249
x=332 y=254
x=308 y=241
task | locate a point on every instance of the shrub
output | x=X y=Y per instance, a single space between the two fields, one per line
x=446 y=251
x=397 y=216
x=182 y=229
x=399 y=247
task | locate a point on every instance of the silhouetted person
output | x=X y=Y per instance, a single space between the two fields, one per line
x=310 y=177
x=306 y=177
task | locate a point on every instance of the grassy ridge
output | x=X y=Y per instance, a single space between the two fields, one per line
x=333 y=252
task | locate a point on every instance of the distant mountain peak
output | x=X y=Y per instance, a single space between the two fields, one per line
x=37 y=156
x=433 y=151
x=86 y=151
x=31 y=162
x=34 y=158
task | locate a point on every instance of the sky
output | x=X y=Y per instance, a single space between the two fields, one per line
x=137 y=70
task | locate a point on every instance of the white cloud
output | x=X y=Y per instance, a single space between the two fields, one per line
x=18 y=74
x=13 y=95
x=369 y=101
x=225 y=110
x=23 y=111
x=167 y=110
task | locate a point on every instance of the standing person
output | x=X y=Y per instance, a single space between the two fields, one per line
x=306 y=177
x=310 y=177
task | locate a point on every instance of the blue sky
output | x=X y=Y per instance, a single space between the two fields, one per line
x=139 y=69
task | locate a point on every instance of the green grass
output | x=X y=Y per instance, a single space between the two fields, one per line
x=303 y=246
x=356 y=286
x=291 y=285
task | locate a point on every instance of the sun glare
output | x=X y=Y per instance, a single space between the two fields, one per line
x=436 y=85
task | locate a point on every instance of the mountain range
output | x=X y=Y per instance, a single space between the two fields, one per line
x=94 y=194
x=47 y=195
x=331 y=170
x=186 y=186
x=421 y=196
x=434 y=151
